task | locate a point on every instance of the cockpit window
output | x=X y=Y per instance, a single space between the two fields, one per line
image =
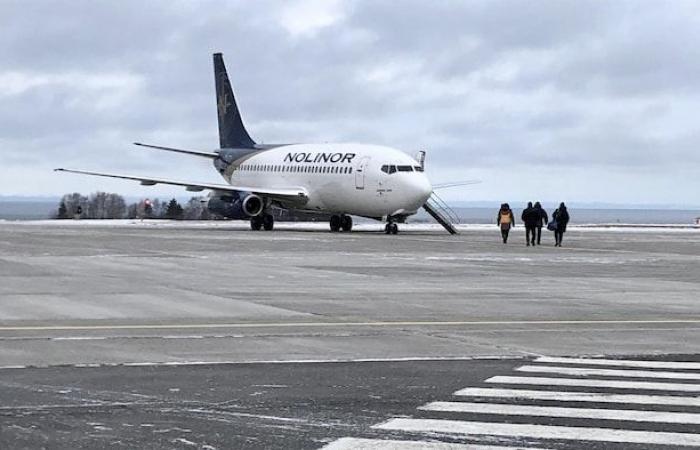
x=404 y=168
x=388 y=168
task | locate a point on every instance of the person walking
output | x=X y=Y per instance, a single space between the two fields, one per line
x=505 y=221
x=561 y=218
x=530 y=218
x=543 y=221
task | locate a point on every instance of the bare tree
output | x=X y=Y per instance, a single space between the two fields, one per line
x=103 y=205
x=73 y=203
x=196 y=209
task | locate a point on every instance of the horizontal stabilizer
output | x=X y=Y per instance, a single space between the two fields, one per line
x=455 y=184
x=180 y=150
x=281 y=193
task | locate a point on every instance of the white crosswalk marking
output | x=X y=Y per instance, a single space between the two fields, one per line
x=593 y=397
x=540 y=431
x=486 y=418
x=580 y=372
x=381 y=444
x=673 y=365
x=596 y=383
x=555 y=411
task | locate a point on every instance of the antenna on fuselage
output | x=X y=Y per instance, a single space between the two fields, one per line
x=420 y=157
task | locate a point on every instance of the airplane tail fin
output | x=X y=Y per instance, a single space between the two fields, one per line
x=232 y=133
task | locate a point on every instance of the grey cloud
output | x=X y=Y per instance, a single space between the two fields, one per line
x=481 y=84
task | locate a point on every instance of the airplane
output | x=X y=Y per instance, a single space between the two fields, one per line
x=343 y=180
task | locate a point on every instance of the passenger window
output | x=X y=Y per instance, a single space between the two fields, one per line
x=350 y=171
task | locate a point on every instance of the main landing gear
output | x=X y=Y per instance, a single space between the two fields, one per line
x=341 y=222
x=391 y=228
x=264 y=221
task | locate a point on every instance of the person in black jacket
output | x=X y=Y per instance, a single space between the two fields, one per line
x=543 y=221
x=505 y=221
x=561 y=217
x=530 y=218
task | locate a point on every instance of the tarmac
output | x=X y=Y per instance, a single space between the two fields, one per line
x=162 y=321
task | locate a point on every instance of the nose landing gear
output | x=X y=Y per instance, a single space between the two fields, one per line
x=341 y=222
x=264 y=221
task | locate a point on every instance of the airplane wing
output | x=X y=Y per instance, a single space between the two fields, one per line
x=282 y=193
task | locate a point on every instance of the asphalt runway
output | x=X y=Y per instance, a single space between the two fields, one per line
x=99 y=322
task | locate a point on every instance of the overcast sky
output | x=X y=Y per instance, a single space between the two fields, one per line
x=552 y=100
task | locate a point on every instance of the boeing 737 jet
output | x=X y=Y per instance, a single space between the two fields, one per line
x=343 y=180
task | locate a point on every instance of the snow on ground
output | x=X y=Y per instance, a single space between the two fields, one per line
x=323 y=226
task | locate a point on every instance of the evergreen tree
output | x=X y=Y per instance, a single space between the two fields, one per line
x=174 y=210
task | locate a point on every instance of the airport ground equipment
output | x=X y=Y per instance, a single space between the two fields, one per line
x=442 y=213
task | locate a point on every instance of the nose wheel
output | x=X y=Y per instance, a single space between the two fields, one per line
x=391 y=228
x=265 y=222
x=340 y=222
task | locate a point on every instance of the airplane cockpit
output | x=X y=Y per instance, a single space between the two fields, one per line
x=391 y=168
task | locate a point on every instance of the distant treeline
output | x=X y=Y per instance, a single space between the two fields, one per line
x=103 y=205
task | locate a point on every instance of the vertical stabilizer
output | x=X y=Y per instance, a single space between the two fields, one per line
x=232 y=133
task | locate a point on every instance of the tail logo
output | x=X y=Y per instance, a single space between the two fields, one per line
x=223 y=103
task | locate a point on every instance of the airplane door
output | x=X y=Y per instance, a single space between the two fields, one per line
x=360 y=173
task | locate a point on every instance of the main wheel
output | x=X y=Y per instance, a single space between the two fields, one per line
x=335 y=223
x=394 y=228
x=256 y=223
x=346 y=223
x=387 y=228
x=268 y=222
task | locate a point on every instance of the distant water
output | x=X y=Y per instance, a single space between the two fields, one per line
x=33 y=210
x=27 y=210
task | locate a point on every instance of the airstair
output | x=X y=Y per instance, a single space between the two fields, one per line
x=442 y=213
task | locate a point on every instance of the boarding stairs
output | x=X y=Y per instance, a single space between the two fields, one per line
x=442 y=213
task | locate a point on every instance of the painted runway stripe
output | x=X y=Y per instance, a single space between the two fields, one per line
x=555 y=411
x=541 y=432
x=596 y=383
x=335 y=324
x=592 y=397
x=263 y=361
x=580 y=372
x=674 y=365
x=382 y=444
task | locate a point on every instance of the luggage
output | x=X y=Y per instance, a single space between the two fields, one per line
x=552 y=226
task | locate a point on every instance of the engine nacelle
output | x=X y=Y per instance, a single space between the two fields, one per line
x=252 y=205
x=225 y=205
x=239 y=206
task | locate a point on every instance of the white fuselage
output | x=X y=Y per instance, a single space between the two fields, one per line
x=356 y=179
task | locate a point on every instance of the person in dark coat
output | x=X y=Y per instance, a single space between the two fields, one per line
x=561 y=217
x=543 y=221
x=530 y=218
x=505 y=221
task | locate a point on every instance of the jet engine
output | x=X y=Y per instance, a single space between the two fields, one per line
x=252 y=205
x=235 y=205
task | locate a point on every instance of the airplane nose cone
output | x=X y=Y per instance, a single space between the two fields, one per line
x=422 y=188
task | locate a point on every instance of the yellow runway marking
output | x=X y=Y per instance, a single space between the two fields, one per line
x=338 y=324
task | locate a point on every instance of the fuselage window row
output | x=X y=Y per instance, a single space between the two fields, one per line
x=296 y=169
